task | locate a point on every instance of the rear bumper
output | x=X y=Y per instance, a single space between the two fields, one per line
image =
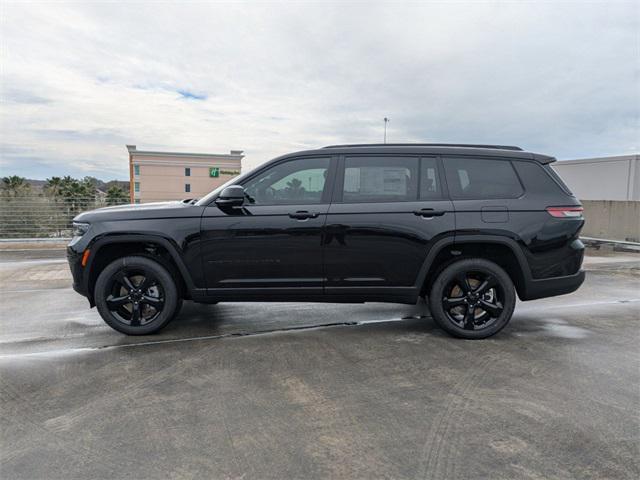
x=550 y=287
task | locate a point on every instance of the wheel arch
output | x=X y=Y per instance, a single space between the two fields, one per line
x=108 y=248
x=503 y=251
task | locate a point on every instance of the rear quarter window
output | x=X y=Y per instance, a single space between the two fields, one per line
x=536 y=179
x=558 y=179
x=481 y=178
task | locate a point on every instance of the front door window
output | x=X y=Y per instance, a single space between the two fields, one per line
x=296 y=182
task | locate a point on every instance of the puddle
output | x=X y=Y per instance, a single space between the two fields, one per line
x=566 y=331
x=551 y=327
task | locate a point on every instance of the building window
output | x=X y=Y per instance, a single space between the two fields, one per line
x=136 y=170
x=187 y=187
x=136 y=186
x=137 y=200
x=187 y=172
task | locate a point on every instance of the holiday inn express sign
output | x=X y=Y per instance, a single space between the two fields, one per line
x=216 y=172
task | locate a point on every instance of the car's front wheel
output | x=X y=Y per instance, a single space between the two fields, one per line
x=472 y=298
x=136 y=295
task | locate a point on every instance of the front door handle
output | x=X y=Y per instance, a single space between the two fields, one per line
x=303 y=215
x=429 y=212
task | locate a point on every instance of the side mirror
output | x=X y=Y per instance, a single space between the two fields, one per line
x=232 y=196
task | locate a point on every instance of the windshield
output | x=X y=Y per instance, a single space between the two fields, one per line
x=204 y=201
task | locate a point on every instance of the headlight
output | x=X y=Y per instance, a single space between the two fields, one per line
x=80 y=229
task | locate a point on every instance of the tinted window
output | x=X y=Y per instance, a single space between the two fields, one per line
x=558 y=179
x=429 y=179
x=295 y=182
x=479 y=178
x=535 y=179
x=380 y=179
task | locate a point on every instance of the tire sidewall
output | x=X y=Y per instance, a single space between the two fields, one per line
x=446 y=276
x=162 y=275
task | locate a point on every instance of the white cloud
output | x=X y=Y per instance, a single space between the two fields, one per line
x=81 y=80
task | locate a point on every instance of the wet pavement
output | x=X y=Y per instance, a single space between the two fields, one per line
x=318 y=390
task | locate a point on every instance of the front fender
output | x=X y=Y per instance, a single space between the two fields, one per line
x=169 y=244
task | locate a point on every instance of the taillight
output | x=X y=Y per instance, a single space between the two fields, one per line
x=565 y=212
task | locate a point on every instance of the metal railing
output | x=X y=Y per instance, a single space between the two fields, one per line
x=40 y=216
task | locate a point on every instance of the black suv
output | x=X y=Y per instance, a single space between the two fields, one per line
x=466 y=226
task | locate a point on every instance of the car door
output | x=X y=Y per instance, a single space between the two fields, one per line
x=387 y=212
x=272 y=244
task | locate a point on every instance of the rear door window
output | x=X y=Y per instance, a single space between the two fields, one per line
x=481 y=178
x=380 y=179
x=430 y=188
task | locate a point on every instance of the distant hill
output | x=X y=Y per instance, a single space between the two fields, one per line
x=124 y=185
x=36 y=184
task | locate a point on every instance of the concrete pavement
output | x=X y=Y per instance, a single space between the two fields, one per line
x=315 y=391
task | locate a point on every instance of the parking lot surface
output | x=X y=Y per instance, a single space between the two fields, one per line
x=316 y=391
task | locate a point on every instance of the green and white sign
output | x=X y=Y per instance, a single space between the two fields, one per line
x=214 y=172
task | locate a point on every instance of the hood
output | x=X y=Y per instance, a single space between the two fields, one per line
x=141 y=211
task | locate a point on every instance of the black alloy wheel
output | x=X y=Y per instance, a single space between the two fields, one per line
x=472 y=298
x=136 y=295
x=136 y=298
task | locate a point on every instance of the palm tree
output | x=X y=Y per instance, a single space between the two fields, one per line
x=53 y=186
x=91 y=183
x=116 y=196
x=295 y=188
x=15 y=186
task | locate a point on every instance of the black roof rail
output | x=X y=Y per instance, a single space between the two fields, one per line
x=464 y=145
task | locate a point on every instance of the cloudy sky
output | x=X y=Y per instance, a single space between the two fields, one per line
x=81 y=80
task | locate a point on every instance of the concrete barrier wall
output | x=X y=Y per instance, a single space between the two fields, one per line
x=608 y=178
x=612 y=220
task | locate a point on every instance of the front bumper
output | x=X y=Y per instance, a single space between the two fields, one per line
x=77 y=272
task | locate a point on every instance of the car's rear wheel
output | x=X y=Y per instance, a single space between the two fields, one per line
x=472 y=298
x=136 y=295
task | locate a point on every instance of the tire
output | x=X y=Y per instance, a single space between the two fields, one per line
x=472 y=298
x=136 y=295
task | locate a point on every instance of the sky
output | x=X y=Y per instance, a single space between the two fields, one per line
x=81 y=80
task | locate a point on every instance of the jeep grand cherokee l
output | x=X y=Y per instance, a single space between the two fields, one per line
x=466 y=226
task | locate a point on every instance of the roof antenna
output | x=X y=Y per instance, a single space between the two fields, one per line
x=386 y=120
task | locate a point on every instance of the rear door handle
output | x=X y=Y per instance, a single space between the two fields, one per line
x=429 y=212
x=303 y=215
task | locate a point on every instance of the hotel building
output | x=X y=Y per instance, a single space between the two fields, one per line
x=159 y=176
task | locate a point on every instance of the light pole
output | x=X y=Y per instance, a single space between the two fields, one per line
x=386 y=120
